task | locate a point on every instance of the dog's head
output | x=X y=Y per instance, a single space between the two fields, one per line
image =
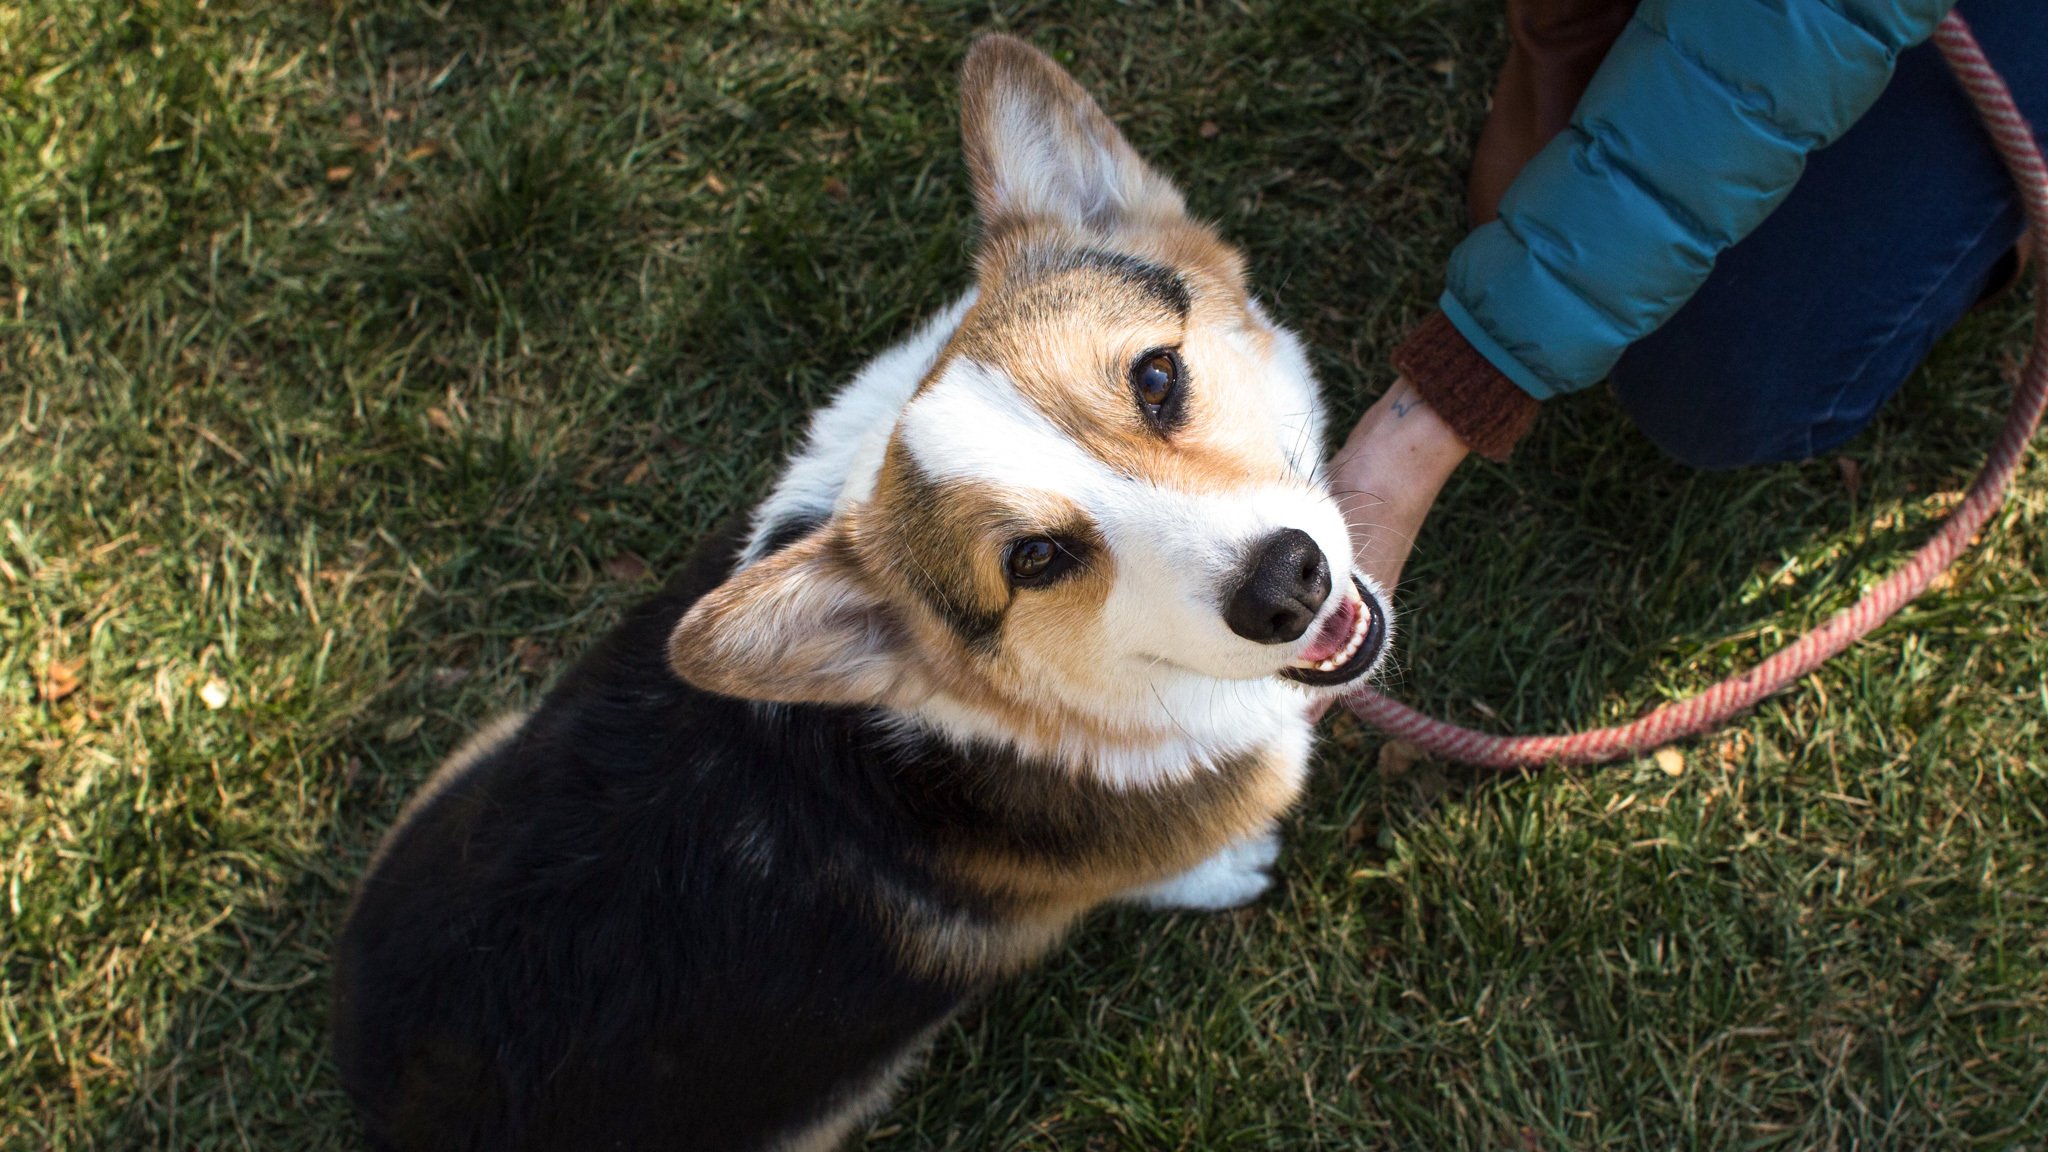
x=1099 y=521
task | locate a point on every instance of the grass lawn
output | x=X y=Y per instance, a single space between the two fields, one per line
x=361 y=359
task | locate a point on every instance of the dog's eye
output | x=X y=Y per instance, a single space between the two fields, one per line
x=1035 y=561
x=1031 y=556
x=1156 y=381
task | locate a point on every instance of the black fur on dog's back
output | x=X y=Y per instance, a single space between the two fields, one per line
x=641 y=922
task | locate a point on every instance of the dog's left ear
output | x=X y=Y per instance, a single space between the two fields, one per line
x=798 y=626
x=1037 y=145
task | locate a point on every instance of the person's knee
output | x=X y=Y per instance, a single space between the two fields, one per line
x=1715 y=414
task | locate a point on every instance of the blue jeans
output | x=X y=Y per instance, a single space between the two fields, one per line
x=1815 y=319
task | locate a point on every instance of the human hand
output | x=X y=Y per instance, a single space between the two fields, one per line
x=1385 y=479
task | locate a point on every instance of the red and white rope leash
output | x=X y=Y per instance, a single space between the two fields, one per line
x=1698 y=713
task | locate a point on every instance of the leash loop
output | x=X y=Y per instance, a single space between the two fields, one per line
x=1708 y=709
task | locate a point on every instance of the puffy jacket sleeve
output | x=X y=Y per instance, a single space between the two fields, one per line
x=1694 y=129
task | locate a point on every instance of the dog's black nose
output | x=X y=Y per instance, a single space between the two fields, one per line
x=1284 y=588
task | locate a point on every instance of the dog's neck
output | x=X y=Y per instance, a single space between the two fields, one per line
x=1188 y=728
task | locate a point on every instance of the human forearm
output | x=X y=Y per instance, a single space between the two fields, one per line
x=1696 y=126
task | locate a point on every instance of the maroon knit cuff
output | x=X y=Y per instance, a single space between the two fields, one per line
x=1488 y=411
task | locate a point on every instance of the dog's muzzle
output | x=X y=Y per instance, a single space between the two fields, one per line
x=1348 y=645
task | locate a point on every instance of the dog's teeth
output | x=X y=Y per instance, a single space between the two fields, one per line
x=1360 y=625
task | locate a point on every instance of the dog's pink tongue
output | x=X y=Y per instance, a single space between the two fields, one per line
x=1335 y=634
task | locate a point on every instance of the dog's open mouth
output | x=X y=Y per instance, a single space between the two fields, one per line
x=1348 y=644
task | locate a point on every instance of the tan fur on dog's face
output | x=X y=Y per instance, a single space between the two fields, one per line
x=1027 y=424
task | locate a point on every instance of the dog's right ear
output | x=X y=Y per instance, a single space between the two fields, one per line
x=1038 y=145
x=797 y=626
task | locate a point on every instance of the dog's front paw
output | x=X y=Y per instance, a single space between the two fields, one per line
x=1234 y=877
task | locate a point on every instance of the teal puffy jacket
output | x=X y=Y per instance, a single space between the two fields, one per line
x=1696 y=126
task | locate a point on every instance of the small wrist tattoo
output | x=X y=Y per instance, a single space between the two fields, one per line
x=1402 y=410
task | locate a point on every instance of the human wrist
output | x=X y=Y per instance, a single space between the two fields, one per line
x=1388 y=475
x=1488 y=411
x=1402 y=438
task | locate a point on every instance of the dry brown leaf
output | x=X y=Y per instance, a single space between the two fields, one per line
x=638 y=473
x=339 y=173
x=837 y=189
x=215 y=694
x=439 y=419
x=531 y=655
x=59 y=679
x=1730 y=750
x=1397 y=757
x=626 y=568
x=1210 y=129
x=1670 y=761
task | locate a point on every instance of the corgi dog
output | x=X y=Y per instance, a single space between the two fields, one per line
x=1031 y=623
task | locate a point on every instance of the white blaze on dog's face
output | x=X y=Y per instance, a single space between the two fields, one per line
x=1097 y=528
